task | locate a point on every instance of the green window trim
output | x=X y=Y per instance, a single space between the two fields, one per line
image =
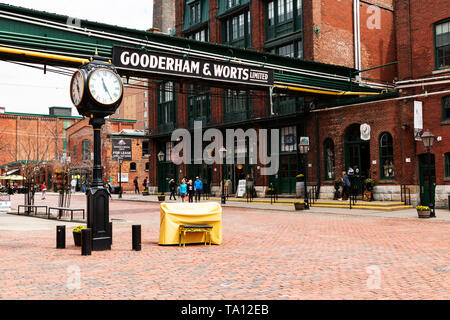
x=195 y=13
x=236 y=29
x=446 y=108
x=283 y=17
x=386 y=147
x=237 y=105
x=447 y=165
x=199 y=105
x=166 y=106
x=230 y=6
x=442 y=44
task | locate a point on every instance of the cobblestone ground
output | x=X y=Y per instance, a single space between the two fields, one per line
x=265 y=255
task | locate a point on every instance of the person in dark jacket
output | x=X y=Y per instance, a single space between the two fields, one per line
x=173 y=189
x=345 y=186
x=136 y=185
x=190 y=189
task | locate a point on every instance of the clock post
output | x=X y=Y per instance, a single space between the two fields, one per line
x=97 y=91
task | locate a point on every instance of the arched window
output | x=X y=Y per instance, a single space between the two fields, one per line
x=328 y=155
x=447 y=165
x=86 y=150
x=147 y=166
x=133 y=166
x=387 y=156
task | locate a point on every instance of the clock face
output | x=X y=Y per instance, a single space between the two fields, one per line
x=77 y=88
x=105 y=86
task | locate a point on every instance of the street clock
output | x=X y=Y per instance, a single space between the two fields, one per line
x=96 y=89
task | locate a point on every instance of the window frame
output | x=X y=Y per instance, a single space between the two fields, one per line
x=383 y=157
x=447 y=165
x=329 y=142
x=238 y=35
x=446 y=108
x=85 y=155
x=294 y=17
x=436 y=62
x=166 y=107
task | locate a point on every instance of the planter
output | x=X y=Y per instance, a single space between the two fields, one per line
x=161 y=198
x=145 y=193
x=77 y=239
x=299 y=206
x=300 y=189
x=424 y=214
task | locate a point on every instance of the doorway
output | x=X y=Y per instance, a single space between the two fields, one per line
x=357 y=156
x=427 y=177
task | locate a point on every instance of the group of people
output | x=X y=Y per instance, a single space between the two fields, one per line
x=187 y=189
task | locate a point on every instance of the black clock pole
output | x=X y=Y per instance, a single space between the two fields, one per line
x=98 y=196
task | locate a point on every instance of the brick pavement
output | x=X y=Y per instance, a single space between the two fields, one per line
x=265 y=255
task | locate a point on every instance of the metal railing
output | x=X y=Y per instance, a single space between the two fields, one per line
x=405 y=194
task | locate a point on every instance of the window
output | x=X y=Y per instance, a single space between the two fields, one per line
x=293 y=50
x=447 y=165
x=145 y=104
x=66 y=124
x=200 y=35
x=133 y=166
x=145 y=124
x=86 y=150
x=283 y=17
x=328 y=155
x=199 y=104
x=236 y=30
x=166 y=106
x=147 y=166
x=442 y=40
x=145 y=95
x=169 y=147
x=145 y=148
x=289 y=139
x=145 y=114
x=195 y=13
x=237 y=105
x=386 y=156
x=74 y=153
x=446 y=108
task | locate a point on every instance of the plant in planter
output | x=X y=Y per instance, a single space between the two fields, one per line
x=299 y=205
x=77 y=235
x=300 y=177
x=370 y=184
x=423 y=212
x=161 y=197
x=145 y=193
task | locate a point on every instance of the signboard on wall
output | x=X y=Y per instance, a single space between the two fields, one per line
x=121 y=149
x=191 y=67
x=418 y=120
x=124 y=177
x=5 y=203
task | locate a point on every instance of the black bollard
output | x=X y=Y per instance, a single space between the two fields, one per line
x=86 y=242
x=137 y=238
x=60 y=237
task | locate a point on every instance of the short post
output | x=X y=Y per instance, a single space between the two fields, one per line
x=60 y=237
x=136 y=237
x=86 y=242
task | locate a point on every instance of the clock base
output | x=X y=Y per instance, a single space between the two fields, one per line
x=98 y=218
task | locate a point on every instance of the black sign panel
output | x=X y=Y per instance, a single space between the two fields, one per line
x=156 y=62
x=121 y=149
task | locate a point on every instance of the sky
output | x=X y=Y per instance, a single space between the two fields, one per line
x=23 y=89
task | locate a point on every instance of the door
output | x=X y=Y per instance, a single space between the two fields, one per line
x=288 y=172
x=357 y=157
x=427 y=177
x=166 y=172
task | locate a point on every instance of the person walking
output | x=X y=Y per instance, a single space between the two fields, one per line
x=83 y=185
x=144 y=184
x=183 y=190
x=136 y=185
x=198 y=187
x=43 y=190
x=345 y=186
x=172 y=188
x=190 y=190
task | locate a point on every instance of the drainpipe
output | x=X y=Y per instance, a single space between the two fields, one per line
x=357 y=37
x=318 y=152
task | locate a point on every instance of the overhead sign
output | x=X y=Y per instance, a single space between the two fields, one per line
x=121 y=149
x=157 y=62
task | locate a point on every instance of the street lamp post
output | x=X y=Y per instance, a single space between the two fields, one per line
x=428 y=141
x=160 y=159
x=304 y=149
x=120 y=177
x=223 y=153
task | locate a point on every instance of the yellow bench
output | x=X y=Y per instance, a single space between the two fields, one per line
x=203 y=228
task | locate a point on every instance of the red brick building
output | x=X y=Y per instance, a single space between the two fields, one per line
x=80 y=148
x=406 y=46
x=32 y=145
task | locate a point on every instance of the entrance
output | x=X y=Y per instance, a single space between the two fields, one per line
x=166 y=172
x=357 y=156
x=204 y=172
x=427 y=176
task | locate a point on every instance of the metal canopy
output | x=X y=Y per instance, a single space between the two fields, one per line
x=52 y=35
